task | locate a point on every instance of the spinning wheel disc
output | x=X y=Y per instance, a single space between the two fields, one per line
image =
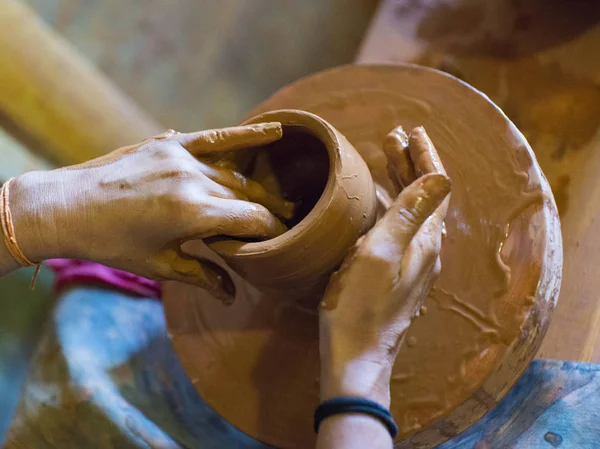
x=257 y=361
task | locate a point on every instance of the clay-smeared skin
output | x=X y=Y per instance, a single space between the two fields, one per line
x=149 y=198
x=249 y=190
x=300 y=164
x=501 y=250
x=372 y=300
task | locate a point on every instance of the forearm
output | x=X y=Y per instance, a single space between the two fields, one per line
x=344 y=375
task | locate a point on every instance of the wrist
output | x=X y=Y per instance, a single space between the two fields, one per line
x=352 y=406
x=347 y=372
x=34 y=199
x=356 y=379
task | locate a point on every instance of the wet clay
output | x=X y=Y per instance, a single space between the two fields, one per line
x=485 y=316
x=294 y=168
x=331 y=186
x=300 y=166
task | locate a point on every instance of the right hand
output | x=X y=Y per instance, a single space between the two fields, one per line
x=371 y=301
x=133 y=208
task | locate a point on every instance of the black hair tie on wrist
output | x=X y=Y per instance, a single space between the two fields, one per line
x=343 y=405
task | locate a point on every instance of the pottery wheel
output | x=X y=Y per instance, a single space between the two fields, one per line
x=257 y=362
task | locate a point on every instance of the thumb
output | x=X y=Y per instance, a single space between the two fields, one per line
x=229 y=139
x=411 y=209
x=175 y=265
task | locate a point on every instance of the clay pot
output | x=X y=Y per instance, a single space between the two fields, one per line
x=343 y=206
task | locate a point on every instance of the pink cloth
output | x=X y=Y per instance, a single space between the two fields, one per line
x=70 y=272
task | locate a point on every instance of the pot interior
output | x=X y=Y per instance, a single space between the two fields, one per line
x=296 y=167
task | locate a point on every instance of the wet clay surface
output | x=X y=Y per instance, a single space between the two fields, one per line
x=299 y=165
x=495 y=267
x=533 y=58
x=548 y=83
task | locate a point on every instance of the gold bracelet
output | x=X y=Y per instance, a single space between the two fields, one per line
x=8 y=230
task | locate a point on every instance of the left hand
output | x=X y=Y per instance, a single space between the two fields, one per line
x=371 y=301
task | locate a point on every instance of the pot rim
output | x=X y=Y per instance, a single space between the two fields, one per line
x=327 y=134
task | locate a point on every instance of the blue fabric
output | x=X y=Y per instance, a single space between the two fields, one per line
x=105 y=376
x=22 y=315
x=554 y=404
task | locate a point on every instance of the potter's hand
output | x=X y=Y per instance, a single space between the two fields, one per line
x=372 y=299
x=134 y=207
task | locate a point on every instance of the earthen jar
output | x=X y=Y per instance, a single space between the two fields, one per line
x=302 y=258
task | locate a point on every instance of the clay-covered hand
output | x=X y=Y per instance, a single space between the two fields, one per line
x=371 y=301
x=133 y=208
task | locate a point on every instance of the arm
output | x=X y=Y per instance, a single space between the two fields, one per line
x=31 y=195
x=7 y=263
x=371 y=301
x=133 y=208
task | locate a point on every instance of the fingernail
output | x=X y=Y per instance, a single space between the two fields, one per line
x=434 y=189
x=419 y=131
x=271 y=129
x=287 y=209
x=215 y=279
x=280 y=207
x=223 y=286
x=398 y=134
x=419 y=136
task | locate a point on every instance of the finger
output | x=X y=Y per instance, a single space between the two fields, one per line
x=250 y=189
x=413 y=293
x=427 y=160
x=423 y=154
x=228 y=139
x=220 y=191
x=420 y=268
x=173 y=264
x=417 y=202
x=235 y=218
x=437 y=270
x=400 y=168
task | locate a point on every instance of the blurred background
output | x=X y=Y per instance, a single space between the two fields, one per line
x=195 y=64
x=191 y=65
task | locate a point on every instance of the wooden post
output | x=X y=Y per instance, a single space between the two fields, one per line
x=53 y=95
